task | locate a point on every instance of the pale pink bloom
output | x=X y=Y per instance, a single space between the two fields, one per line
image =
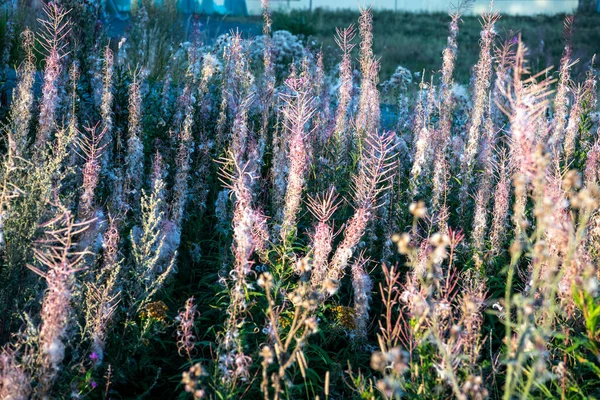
x=561 y=100
x=501 y=197
x=372 y=179
x=91 y=151
x=572 y=130
x=55 y=251
x=55 y=30
x=443 y=132
x=15 y=384
x=483 y=76
x=186 y=340
x=298 y=112
x=322 y=208
x=367 y=117
x=344 y=38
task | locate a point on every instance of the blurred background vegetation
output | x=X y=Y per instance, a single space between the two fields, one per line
x=416 y=41
x=412 y=40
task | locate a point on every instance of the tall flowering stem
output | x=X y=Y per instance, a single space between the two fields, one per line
x=186 y=340
x=371 y=180
x=362 y=285
x=484 y=191
x=504 y=56
x=234 y=362
x=443 y=137
x=344 y=38
x=298 y=112
x=527 y=100
x=483 y=76
x=22 y=102
x=368 y=115
x=91 y=152
x=392 y=325
x=183 y=159
x=572 y=130
x=134 y=160
x=104 y=294
x=322 y=209
x=107 y=98
x=236 y=83
x=73 y=124
x=321 y=90
x=55 y=252
x=591 y=165
x=471 y=303
x=423 y=135
x=561 y=99
x=268 y=87
x=238 y=174
x=153 y=259
x=56 y=28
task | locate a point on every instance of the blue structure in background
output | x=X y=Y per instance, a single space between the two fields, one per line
x=231 y=7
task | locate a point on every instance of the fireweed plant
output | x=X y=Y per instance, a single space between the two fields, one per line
x=239 y=219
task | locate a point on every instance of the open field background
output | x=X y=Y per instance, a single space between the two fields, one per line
x=412 y=40
x=416 y=41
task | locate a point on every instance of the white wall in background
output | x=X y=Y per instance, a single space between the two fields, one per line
x=513 y=7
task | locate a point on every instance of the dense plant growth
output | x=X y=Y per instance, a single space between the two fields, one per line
x=184 y=217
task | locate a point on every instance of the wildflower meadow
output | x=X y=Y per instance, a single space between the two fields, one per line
x=185 y=216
